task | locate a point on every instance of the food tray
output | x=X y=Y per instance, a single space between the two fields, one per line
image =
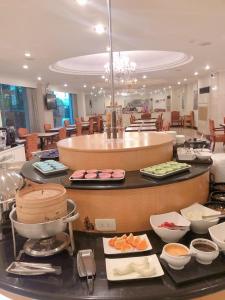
x=96 y=179
x=148 y=173
x=196 y=161
x=52 y=172
x=194 y=271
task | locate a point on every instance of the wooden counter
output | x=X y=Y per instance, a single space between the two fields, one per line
x=136 y=150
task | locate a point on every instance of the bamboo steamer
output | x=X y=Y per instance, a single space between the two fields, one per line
x=41 y=203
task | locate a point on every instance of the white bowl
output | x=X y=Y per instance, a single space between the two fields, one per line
x=180 y=139
x=175 y=262
x=203 y=257
x=194 y=214
x=217 y=235
x=203 y=155
x=168 y=235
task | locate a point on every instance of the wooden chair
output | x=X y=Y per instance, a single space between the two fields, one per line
x=91 y=126
x=77 y=120
x=78 y=129
x=31 y=145
x=146 y=116
x=66 y=123
x=159 y=123
x=99 y=124
x=189 y=120
x=47 y=127
x=132 y=119
x=166 y=126
x=176 y=119
x=22 y=132
x=214 y=136
x=82 y=119
x=62 y=133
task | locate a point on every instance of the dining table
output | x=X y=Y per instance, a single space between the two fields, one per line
x=43 y=136
x=150 y=121
x=69 y=130
x=140 y=128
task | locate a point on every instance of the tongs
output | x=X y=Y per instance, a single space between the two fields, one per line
x=86 y=267
x=27 y=268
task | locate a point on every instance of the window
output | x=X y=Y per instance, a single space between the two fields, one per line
x=13 y=106
x=64 y=109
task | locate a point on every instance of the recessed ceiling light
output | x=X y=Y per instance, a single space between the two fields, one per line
x=170 y=86
x=103 y=77
x=99 y=28
x=196 y=73
x=27 y=54
x=164 y=88
x=82 y=2
x=207 y=67
x=84 y=86
x=107 y=48
x=122 y=80
x=25 y=67
x=144 y=76
x=185 y=79
x=93 y=87
x=178 y=82
x=135 y=80
x=144 y=86
x=106 y=80
x=65 y=85
x=39 y=78
x=95 y=95
x=101 y=88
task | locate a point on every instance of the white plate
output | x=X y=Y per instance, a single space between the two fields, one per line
x=113 y=263
x=111 y=250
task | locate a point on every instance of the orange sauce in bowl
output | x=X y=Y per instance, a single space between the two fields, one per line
x=176 y=250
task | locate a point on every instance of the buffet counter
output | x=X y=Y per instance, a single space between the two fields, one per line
x=68 y=285
x=137 y=196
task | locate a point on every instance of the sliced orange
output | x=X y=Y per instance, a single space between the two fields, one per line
x=142 y=245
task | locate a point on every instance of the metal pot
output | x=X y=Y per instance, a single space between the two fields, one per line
x=46 y=229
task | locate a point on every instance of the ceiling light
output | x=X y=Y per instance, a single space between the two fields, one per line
x=178 y=82
x=99 y=28
x=107 y=48
x=101 y=88
x=103 y=76
x=214 y=88
x=65 y=85
x=27 y=54
x=144 y=86
x=84 y=86
x=25 y=67
x=185 y=79
x=196 y=73
x=170 y=86
x=82 y=2
x=93 y=87
x=39 y=78
x=144 y=76
x=135 y=80
x=106 y=80
x=207 y=67
x=164 y=89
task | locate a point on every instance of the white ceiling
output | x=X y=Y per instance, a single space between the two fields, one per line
x=55 y=30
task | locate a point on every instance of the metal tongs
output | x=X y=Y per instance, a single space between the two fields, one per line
x=86 y=267
x=27 y=268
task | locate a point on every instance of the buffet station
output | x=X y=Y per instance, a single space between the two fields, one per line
x=77 y=226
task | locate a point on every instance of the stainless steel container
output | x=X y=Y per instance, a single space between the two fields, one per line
x=46 y=229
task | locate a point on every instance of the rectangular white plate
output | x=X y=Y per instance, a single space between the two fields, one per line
x=113 y=263
x=111 y=250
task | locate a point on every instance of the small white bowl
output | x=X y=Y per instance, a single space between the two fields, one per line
x=203 y=257
x=175 y=262
x=203 y=155
x=217 y=235
x=198 y=225
x=168 y=235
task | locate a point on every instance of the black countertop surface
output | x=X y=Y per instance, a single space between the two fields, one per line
x=133 y=179
x=68 y=285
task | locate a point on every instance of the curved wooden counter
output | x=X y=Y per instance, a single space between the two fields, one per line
x=136 y=150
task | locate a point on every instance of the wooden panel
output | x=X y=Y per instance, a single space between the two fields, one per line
x=132 y=207
x=203 y=113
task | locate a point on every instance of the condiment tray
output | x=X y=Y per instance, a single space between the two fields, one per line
x=122 y=263
x=110 y=250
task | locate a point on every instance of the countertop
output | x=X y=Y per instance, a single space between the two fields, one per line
x=133 y=179
x=69 y=286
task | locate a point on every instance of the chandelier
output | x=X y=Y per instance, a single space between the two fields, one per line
x=122 y=66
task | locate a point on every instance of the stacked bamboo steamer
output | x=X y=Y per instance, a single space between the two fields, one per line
x=41 y=203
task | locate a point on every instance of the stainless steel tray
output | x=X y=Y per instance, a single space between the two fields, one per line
x=165 y=175
x=52 y=172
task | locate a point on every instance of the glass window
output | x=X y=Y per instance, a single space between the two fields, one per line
x=13 y=106
x=64 y=109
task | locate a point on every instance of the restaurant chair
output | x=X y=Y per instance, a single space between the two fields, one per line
x=47 y=127
x=91 y=126
x=146 y=116
x=31 y=145
x=82 y=119
x=166 y=126
x=62 y=133
x=217 y=135
x=66 y=123
x=22 y=132
x=77 y=120
x=132 y=119
x=176 y=119
x=159 y=123
x=189 y=120
x=99 y=124
x=78 y=129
